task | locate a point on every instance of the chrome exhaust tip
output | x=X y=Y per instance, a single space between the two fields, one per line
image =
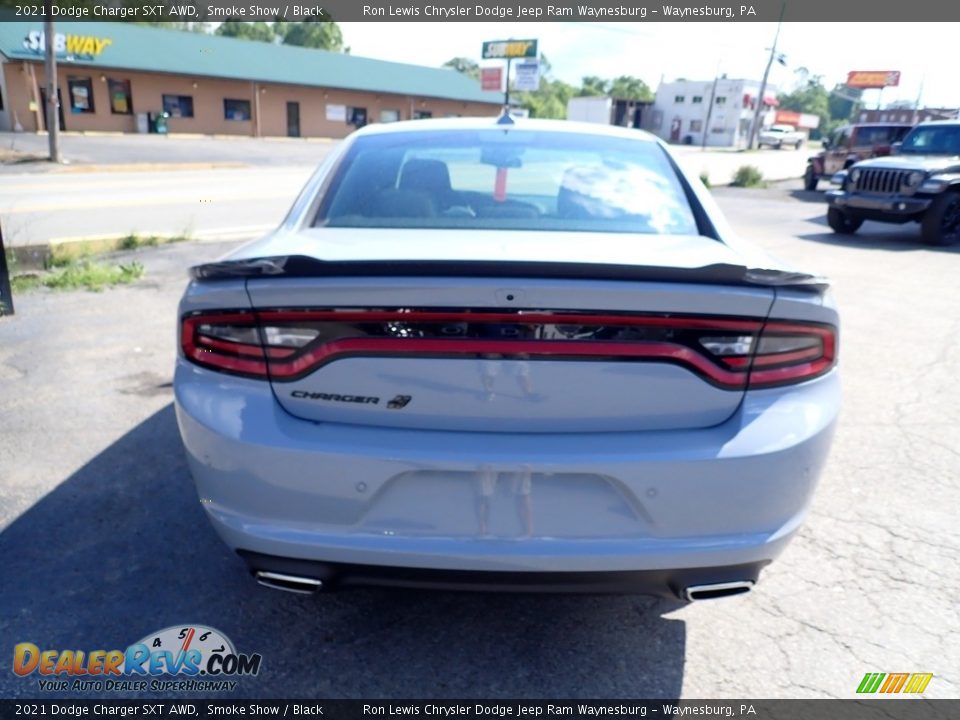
x=289 y=583
x=717 y=590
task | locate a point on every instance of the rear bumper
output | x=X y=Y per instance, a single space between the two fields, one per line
x=353 y=496
x=661 y=583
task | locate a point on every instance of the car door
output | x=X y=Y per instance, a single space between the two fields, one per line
x=837 y=154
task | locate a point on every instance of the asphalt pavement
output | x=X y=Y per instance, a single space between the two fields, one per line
x=103 y=540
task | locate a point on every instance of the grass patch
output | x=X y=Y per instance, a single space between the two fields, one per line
x=748 y=176
x=81 y=274
x=705 y=179
x=134 y=241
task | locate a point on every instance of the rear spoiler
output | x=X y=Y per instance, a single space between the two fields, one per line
x=302 y=266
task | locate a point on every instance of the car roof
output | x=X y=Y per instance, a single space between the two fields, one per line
x=491 y=123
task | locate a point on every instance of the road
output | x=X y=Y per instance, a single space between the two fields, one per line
x=228 y=202
x=103 y=540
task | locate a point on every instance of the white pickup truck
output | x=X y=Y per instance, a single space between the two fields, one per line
x=776 y=136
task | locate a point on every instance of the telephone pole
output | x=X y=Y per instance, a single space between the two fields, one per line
x=53 y=97
x=763 y=83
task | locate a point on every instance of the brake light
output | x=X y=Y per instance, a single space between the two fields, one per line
x=731 y=353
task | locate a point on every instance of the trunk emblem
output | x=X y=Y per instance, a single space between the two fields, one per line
x=400 y=401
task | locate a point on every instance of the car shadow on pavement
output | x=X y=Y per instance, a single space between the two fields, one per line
x=122 y=549
x=876 y=236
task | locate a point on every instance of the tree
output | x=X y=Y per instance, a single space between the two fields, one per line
x=464 y=65
x=261 y=31
x=591 y=85
x=813 y=99
x=627 y=87
x=844 y=101
x=321 y=34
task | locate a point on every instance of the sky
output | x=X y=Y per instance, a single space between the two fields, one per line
x=693 y=50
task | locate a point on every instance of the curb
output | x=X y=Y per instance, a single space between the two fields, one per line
x=42 y=255
x=148 y=167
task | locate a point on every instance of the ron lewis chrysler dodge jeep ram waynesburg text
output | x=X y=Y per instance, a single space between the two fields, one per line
x=498 y=354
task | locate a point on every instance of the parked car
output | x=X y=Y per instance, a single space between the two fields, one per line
x=920 y=183
x=777 y=136
x=523 y=355
x=850 y=144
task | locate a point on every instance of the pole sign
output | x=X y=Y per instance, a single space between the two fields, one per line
x=527 y=76
x=491 y=79
x=873 y=79
x=509 y=49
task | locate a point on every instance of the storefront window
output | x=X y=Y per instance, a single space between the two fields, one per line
x=389 y=116
x=236 y=109
x=121 y=102
x=81 y=94
x=178 y=106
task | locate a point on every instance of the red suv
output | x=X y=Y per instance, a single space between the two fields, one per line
x=850 y=144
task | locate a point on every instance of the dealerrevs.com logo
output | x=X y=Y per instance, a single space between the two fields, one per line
x=204 y=657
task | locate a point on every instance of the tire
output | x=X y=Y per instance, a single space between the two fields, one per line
x=810 y=179
x=798 y=145
x=941 y=224
x=842 y=223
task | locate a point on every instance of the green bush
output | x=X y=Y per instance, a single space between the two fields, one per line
x=705 y=179
x=748 y=176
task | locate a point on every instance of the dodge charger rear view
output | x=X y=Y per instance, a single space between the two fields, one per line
x=502 y=355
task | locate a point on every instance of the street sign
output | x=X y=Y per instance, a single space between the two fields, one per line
x=507 y=49
x=873 y=79
x=527 y=76
x=491 y=79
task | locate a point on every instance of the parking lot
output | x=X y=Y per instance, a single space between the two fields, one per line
x=103 y=540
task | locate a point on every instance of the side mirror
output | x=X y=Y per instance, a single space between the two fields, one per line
x=895 y=148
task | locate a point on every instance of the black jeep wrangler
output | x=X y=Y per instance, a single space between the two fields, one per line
x=920 y=183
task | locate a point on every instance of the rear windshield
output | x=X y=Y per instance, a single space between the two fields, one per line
x=507 y=180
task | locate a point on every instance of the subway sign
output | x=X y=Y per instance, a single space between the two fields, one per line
x=80 y=46
x=504 y=49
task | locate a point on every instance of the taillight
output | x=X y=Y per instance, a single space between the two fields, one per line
x=731 y=353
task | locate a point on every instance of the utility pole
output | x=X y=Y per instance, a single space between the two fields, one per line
x=763 y=83
x=713 y=95
x=53 y=98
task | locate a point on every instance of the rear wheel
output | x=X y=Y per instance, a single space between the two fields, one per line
x=941 y=224
x=810 y=178
x=842 y=223
x=798 y=144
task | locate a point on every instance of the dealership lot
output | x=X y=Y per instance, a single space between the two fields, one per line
x=104 y=541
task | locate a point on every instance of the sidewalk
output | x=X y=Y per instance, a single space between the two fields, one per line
x=721 y=164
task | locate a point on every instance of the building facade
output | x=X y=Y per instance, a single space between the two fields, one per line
x=683 y=109
x=116 y=77
x=907 y=115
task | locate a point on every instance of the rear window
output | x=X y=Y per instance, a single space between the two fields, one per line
x=508 y=180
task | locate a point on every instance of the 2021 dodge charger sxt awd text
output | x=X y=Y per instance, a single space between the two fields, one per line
x=523 y=355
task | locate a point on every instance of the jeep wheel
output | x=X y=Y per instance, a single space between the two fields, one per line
x=842 y=223
x=810 y=179
x=941 y=224
x=798 y=145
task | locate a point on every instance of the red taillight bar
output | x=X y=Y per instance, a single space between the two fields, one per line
x=729 y=372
